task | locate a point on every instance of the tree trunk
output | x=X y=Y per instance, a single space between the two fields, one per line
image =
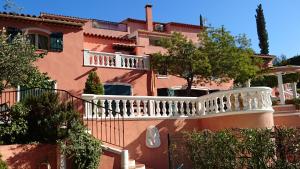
x=189 y=87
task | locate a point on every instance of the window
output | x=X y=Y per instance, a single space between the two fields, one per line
x=117 y=89
x=56 y=42
x=39 y=41
x=159 y=27
x=154 y=41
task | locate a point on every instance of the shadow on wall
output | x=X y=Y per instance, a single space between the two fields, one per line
x=156 y=157
x=32 y=156
x=129 y=77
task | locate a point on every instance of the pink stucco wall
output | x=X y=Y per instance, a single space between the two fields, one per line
x=157 y=158
x=29 y=156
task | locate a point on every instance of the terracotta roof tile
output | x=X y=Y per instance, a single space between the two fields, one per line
x=124 y=38
x=39 y=18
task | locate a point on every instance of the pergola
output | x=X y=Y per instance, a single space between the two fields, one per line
x=279 y=71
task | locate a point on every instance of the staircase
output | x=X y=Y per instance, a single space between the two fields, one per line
x=131 y=163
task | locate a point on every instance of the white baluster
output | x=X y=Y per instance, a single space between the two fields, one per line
x=151 y=108
x=221 y=103
x=145 y=109
x=216 y=106
x=125 y=108
x=138 y=103
x=246 y=99
x=102 y=108
x=176 y=108
x=131 y=108
x=228 y=103
x=128 y=62
x=181 y=108
x=203 y=108
x=170 y=109
x=157 y=108
x=164 y=109
x=117 y=106
x=110 y=114
x=236 y=102
x=188 y=110
x=193 y=108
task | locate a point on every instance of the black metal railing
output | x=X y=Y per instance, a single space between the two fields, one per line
x=109 y=130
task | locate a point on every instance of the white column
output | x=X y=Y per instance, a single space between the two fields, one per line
x=294 y=89
x=248 y=83
x=280 y=88
x=118 y=59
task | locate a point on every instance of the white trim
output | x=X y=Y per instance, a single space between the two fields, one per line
x=187 y=117
x=35 y=29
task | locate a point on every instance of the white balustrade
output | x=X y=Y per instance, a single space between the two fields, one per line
x=254 y=99
x=115 y=60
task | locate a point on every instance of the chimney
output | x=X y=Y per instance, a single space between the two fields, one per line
x=149 y=19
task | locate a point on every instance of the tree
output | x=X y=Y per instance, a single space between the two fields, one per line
x=261 y=30
x=93 y=84
x=17 y=57
x=220 y=57
x=201 y=21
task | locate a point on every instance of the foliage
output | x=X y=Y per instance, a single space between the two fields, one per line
x=261 y=30
x=16 y=63
x=193 y=65
x=256 y=147
x=17 y=128
x=269 y=81
x=48 y=118
x=230 y=57
x=81 y=147
x=294 y=60
x=280 y=61
x=201 y=21
x=219 y=57
x=245 y=148
x=93 y=84
x=3 y=165
x=220 y=147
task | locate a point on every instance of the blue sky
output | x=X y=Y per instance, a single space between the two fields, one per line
x=282 y=17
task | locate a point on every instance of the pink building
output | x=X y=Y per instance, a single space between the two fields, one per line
x=120 y=53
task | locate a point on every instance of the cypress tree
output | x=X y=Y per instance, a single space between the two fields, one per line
x=201 y=21
x=93 y=84
x=261 y=30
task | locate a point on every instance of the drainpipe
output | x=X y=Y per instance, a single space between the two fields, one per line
x=124 y=159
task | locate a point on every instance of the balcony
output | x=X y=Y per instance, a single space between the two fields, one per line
x=115 y=60
x=231 y=102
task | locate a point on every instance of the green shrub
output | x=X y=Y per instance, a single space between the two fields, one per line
x=16 y=130
x=48 y=119
x=276 y=148
x=257 y=148
x=3 y=165
x=82 y=148
x=93 y=84
x=210 y=150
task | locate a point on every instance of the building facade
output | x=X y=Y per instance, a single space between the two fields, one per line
x=120 y=52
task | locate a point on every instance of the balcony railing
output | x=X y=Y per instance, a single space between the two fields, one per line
x=115 y=60
x=254 y=99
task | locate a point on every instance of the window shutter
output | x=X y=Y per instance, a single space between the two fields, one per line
x=56 y=41
x=12 y=32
